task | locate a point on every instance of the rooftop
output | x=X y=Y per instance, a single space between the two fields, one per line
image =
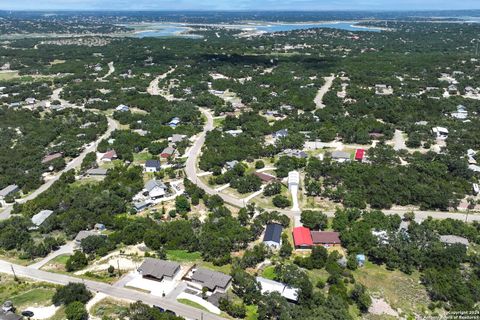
x=211 y=279
x=302 y=237
x=40 y=217
x=158 y=268
x=273 y=232
x=325 y=237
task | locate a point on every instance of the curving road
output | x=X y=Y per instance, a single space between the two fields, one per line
x=112 y=291
x=75 y=163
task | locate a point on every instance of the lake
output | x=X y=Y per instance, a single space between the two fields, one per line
x=176 y=30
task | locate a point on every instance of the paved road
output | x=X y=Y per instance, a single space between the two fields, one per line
x=153 y=88
x=75 y=163
x=112 y=291
x=191 y=164
x=322 y=91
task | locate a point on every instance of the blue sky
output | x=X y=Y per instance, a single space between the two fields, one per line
x=238 y=4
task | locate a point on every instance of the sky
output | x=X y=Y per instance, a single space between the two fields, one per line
x=239 y=5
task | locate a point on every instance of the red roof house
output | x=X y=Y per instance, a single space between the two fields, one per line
x=109 y=155
x=51 y=157
x=302 y=237
x=359 y=154
x=265 y=177
x=326 y=238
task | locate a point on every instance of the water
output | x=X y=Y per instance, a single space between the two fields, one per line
x=176 y=30
x=348 y=26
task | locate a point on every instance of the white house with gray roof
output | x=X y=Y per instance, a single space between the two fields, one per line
x=40 y=218
x=158 y=270
x=155 y=189
x=5 y=192
x=212 y=280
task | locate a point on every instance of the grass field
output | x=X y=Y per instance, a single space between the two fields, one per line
x=183 y=256
x=8 y=75
x=110 y=309
x=192 y=304
x=400 y=290
x=25 y=293
x=252 y=312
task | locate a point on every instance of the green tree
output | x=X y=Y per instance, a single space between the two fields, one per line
x=280 y=201
x=70 y=293
x=76 y=261
x=76 y=311
x=315 y=220
x=182 y=205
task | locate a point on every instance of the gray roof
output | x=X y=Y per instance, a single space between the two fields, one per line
x=140 y=205
x=7 y=190
x=451 y=239
x=211 y=279
x=340 y=155
x=158 y=268
x=151 y=184
x=9 y=316
x=273 y=233
x=40 y=217
x=168 y=150
x=97 y=172
x=231 y=164
x=152 y=164
x=177 y=138
x=85 y=234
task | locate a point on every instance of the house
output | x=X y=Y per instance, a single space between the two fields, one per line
x=440 y=132
x=293 y=179
x=152 y=166
x=340 y=156
x=109 y=156
x=273 y=235
x=30 y=101
x=326 y=238
x=461 y=113
x=474 y=168
x=96 y=172
x=214 y=281
x=452 y=239
x=381 y=235
x=285 y=291
x=167 y=152
x=234 y=132
x=359 y=154
x=15 y=105
x=229 y=165
x=280 y=134
x=40 y=218
x=452 y=89
x=302 y=238
x=265 y=177
x=122 y=108
x=383 y=90
x=476 y=188
x=11 y=189
x=140 y=205
x=176 y=138
x=295 y=153
x=85 y=234
x=158 y=270
x=155 y=189
x=50 y=157
x=99 y=227
x=174 y=122
x=9 y=315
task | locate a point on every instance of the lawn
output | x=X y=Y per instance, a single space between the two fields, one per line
x=57 y=264
x=192 y=304
x=269 y=273
x=25 y=293
x=400 y=290
x=183 y=255
x=142 y=156
x=8 y=75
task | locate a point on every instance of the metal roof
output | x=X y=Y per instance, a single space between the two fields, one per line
x=211 y=279
x=40 y=217
x=273 y=232
x=158 y=268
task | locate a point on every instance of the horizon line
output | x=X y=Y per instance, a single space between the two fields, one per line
x=243 y=10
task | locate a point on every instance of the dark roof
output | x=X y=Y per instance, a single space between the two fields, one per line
x=327 y=237
x=85 y=234
x=211 y=279
x=273 y=232
x=265 y=177
x=158 y=268
x=153 y=164
x=215 y=298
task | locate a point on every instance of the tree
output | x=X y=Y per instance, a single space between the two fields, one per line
x=76 y=262
x=315 y=220
x=70 y=293
x=259 y=164
x=245 y=286
x=76 y=311
x=182 y=205
x=286 y=249
x=272 y=189
x=360 y=296
x=90 y=161
x=280 y=201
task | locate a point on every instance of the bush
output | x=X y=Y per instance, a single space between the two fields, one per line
x=70 y=293
x=280 y=201
x=259 y=164
x=76 y=311
x=272 y=189
x=77 y=261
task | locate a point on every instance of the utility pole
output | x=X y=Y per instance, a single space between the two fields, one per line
x=118 y=268
x=14 y=274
